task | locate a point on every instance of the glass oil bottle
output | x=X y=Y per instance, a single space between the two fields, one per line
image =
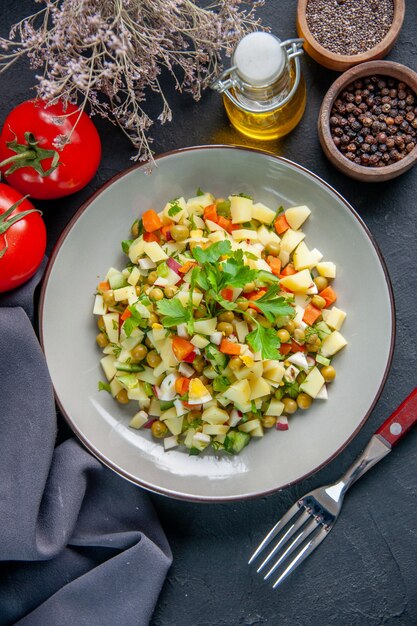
x=264 y=91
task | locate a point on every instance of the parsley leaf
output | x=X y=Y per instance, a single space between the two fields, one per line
x=175 y=208
x=272 y=305
x=292 y=389
x=174 y=312
x=126 y=245
x=235 y=274
x=242 y=195
x=213 y=253
x=264 y=340
x=199 y=192
x=103 y=386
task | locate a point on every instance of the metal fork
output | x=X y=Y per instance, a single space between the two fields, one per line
x=308 y=522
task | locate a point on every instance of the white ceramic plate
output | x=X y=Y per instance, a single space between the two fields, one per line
x=91 y=244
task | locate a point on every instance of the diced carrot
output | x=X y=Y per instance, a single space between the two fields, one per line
x=210 y=213
x=187 y=266
x=255 y=295
x=281 y=224
x=166 y=229
x=295 y=347
x=275 y=264
x=288 y=270
x=227 y=294
x=125 y=315
x=229 y=347
x=182 y=385
x=150 y=237
x=151 y=221
x=104 y=286
x=311 y=314
x=181 y=348
x=285 y=348
x=224 y=223
x=329 y=295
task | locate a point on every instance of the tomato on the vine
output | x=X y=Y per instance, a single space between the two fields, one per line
x=22 y=238
x=48 y=151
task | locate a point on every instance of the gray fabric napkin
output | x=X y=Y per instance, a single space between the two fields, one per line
x=78 y=544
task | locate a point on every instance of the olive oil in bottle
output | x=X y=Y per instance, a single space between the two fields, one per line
x=264 y=91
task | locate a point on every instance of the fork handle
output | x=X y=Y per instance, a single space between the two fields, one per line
x=400 y=422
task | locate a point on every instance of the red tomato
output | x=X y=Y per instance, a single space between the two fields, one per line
x=29 y=130
x=22 y=245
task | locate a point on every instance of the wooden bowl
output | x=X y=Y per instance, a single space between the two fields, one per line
x=341 y=62
x=361 y=172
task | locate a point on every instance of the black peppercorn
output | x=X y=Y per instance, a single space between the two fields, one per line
x=373 y=121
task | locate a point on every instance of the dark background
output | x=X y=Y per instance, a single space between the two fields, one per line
x=365 y=574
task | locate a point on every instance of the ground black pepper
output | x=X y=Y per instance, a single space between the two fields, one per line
x=349 y=26
x=382 y=132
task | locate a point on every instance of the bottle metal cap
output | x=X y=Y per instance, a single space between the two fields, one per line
x=259 y=58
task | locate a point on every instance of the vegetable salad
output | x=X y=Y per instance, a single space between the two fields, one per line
x=222 y=324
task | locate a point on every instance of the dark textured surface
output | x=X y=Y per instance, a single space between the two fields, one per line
x=364 y=574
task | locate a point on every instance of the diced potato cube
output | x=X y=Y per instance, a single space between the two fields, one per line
x=198 y=203
x=175 y=424
x=134 y=277
x=136 y=249
x=170 y=442
x=124 y=293
x=239 y=392
x=313 y=382
x=275 y=408
x=215 y=415
x=205 y=327
x=263 y=213
x=245 y=233
x=215 y=429
x=326 y=269
x=199 y=342
x=107 y=363
x=154 y=251
x=334 y=317
x=332 y=344
x=241 y=209
x=303 y=257
x=273 y=370
x=111 y=324
x=99 y=307
x=299 y=282
x=291 y=239
x=296 y=216
x=249 y=426
x=259 y=388
x=138 y=420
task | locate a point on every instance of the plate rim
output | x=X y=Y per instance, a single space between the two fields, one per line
x=178 y=495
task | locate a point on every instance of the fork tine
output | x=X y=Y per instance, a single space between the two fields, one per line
x=310 y=546
x=302 y=536
x=275 y=530
x=300 y=521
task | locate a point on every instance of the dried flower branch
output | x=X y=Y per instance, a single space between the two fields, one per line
x=109 y=54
